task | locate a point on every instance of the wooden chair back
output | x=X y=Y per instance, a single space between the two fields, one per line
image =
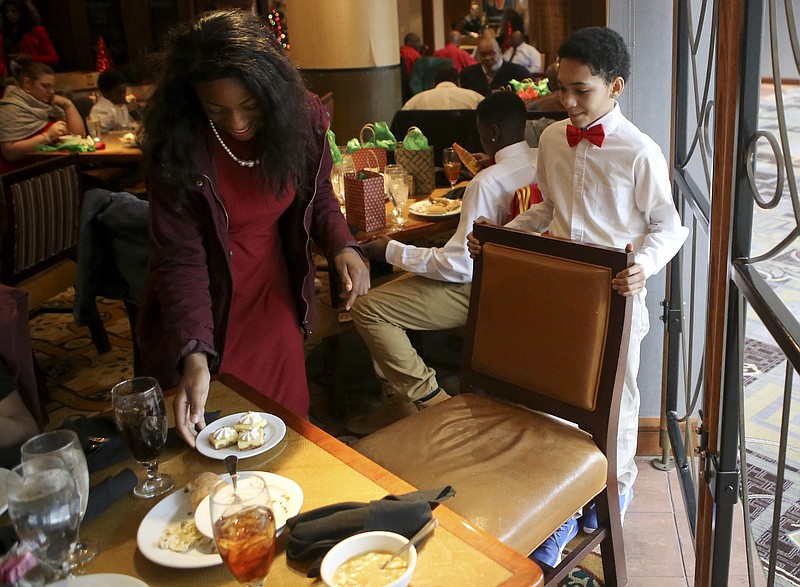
x=545 y=328
x=39 y=212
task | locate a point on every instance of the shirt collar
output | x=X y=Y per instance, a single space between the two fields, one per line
x=520 y=148
x=610 y=121
x=446 y=85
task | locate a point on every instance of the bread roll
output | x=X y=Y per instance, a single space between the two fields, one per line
x=201 y=487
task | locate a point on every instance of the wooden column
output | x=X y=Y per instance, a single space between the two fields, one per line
x=350 y=48
x=552 y=21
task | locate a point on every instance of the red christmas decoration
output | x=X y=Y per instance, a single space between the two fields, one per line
x=103 y=61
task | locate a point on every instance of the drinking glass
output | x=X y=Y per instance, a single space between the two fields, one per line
x=452 y=165
x=142 y=419
x=44 y=504
x=398 y=189
x=65 y=445
x=93 y=127
x=244 y=527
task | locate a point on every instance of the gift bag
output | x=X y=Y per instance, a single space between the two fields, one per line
x=416 y=157
x=369 y=156
x=365 y=203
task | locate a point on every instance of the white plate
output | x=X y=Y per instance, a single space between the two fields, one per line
x=100 y=580
x=3 y=490
x=420 y=209
x=172 y=509
x=287 y=497
x=274 y=432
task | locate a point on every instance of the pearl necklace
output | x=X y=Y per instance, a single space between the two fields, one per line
x=241 y=162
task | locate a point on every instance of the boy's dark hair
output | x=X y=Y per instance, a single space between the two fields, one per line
x=108 y=80
x=445 y=73
x=602 y=49
x=505 y=109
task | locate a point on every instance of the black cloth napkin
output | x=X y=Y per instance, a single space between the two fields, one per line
x=315 y=532
x=103 y=494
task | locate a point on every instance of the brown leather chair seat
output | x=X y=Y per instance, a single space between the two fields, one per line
x=504 y=487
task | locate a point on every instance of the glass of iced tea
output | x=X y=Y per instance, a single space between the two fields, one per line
x=244 y=527
x=452 y=165
x=142 y=419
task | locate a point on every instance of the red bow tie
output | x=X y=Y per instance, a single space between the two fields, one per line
x=594 y=135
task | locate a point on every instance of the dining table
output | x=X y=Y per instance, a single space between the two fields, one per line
x=115 y=151
x=328 y=472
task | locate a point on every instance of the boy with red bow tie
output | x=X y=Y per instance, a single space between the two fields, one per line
x=605 y=182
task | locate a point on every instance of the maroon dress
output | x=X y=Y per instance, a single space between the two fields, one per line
x=264 y=345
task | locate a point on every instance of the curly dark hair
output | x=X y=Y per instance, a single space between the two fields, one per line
x=600 y=48
x=28 y=18
x=220 y=45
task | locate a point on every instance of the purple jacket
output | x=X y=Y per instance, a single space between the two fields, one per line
x=187 y=296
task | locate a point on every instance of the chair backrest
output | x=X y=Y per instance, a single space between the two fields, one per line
x=39 y=212
x=546 y=330
x=441 y=127
x=423 y=73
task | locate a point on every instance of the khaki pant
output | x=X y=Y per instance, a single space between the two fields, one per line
x=410 y=302
x=629 y=403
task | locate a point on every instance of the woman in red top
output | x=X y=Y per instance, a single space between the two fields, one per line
x=22 y=38
x=239 y=180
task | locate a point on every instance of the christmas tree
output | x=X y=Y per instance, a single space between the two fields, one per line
x=277 y=22
x=103 y=61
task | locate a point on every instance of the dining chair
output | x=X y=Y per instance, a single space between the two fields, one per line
x=39 y=210
x=531 y=439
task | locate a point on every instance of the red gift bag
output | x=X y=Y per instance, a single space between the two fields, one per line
x=372 y=158
x=364 y=200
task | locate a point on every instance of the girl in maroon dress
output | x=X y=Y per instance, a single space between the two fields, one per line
x=239 y=182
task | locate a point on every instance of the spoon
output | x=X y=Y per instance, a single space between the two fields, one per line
x=424 y=531
x=231 y=462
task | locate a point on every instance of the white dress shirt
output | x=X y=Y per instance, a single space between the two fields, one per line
x=612 y=196
x=488 y=194
x=445 y=96
x=112 y=116
x=526 y=55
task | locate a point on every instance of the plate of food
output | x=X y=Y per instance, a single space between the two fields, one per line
x=169 y=537
x=245 y=434
x=286 y=495
x=129 y=140
x=436 y=208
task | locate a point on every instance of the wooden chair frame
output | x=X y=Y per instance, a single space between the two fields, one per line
x=497 y=362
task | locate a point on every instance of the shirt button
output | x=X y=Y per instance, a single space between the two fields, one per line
x=230 y=253
x=199 y=183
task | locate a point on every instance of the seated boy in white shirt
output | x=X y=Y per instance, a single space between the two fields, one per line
x=434 y=294
x=604 y=182
x=111 y=108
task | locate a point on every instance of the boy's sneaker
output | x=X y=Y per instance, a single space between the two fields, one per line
x=549 y=552
x=589 y=518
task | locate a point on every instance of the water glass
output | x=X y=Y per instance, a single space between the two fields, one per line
x=93 y=127
x=398 y=189
x=142 y=419
x=244 y=527
x=65 y=445
x=44 y=506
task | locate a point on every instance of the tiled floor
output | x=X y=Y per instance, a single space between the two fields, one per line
x=658 y=543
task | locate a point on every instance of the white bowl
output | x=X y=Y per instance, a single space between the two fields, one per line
x=363 y=543
x=69 y=139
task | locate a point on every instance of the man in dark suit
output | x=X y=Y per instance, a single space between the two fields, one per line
x=491 y=72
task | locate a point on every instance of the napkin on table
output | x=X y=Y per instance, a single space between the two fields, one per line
x=315 y=532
